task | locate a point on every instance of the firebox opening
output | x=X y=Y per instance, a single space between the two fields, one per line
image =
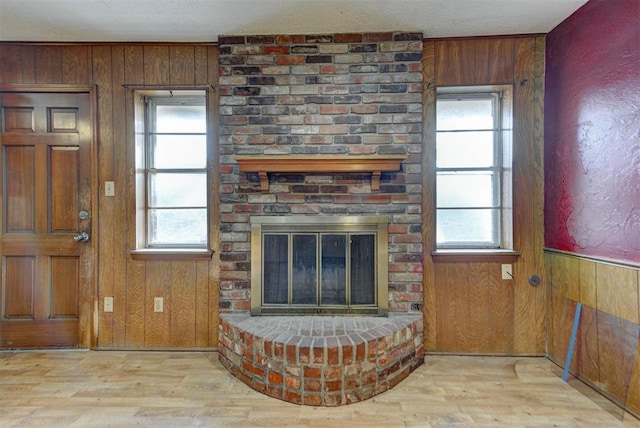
x=319 y=265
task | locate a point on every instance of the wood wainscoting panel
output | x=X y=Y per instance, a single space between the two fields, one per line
x=633 y=395
x=607 y=353
x=617 y=344
x=617 y=291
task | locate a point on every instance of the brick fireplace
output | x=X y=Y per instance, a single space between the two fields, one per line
x=329 y=99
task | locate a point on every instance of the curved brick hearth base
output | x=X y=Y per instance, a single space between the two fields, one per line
x=321 y=361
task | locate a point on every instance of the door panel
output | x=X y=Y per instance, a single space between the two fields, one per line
x=19 y=172
x=45 y=157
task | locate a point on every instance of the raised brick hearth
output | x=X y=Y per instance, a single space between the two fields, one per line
x=321 y=361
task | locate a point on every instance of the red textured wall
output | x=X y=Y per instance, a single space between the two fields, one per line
x=592 y=132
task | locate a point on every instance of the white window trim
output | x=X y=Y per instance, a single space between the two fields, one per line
x=141 y=250
x=505 y=246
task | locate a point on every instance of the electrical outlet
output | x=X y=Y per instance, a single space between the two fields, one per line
x=109 y=188
x=158 y=303
x=507 y=271
x=108 y=304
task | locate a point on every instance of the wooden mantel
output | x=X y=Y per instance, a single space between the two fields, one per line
x=374 y=164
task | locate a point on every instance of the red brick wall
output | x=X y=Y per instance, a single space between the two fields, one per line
x=349 y=94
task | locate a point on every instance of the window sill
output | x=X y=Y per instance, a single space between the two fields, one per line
x=466 y=255
x=171 y=254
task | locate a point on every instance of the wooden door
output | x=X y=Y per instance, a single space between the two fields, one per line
x=45 y=157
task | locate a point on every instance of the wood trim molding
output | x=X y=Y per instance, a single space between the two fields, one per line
x=374 y=164
x=448 y=256
x=171 y=254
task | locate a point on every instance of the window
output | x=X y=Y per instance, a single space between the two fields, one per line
x=473 y=168
x=171 y=156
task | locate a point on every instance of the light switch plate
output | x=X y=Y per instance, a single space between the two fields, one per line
x=108 y=304
x=507 y=271
x=158 y=303
x=109 y=188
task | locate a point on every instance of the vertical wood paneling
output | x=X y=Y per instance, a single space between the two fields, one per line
x=479 y=328
x=28 y=64
x=455 y=62
x=157 y=325
x=452 y=309
x=501 y=307
x=617 y=291
x=191 y=313
x=75 y=64
x=587 y=347
x=429 y=188
x=182 y=65
x=101 y=66
x=214 y=180
x=203 y=306
x=516 y=310
x=119 y=203
x=565 y=270
x=183 y=304
x=528 y=202
x=135 y=304
x=201 y=66
x=633 y=395
x=607 y=350
x=48 y=62
x=11 y=60
x=494 y=61
x=617 y=343
x=156 y=65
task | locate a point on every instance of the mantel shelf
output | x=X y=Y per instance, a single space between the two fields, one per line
x=374 y=164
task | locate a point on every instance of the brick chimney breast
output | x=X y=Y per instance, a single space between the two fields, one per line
x=341 y=94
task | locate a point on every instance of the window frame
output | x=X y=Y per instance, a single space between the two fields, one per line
x=141 y=183
x=502 y=165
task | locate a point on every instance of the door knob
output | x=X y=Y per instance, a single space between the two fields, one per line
x=81 y=237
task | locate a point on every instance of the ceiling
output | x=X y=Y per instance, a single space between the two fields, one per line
x=205 y=20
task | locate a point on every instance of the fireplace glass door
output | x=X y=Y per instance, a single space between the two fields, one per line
x=319 y=269
x=326 y=270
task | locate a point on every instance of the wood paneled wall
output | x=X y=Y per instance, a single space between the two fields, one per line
x=607 y=350
x=468 y=307
x=189 y=288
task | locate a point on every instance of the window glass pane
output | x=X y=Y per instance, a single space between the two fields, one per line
x=465 y=149
x=181 y=119
x=467 y=113
x=177 y=190
x=468 y=227
x=179 y=151
x=305 y=270
x=334 y=269
x=466 y=189
x=178 y=226
x=363 y=270
x=276 y=267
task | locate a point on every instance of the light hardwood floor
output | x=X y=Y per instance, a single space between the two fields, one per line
x=159 y=389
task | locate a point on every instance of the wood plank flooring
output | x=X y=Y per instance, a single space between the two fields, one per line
x=169 y=389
